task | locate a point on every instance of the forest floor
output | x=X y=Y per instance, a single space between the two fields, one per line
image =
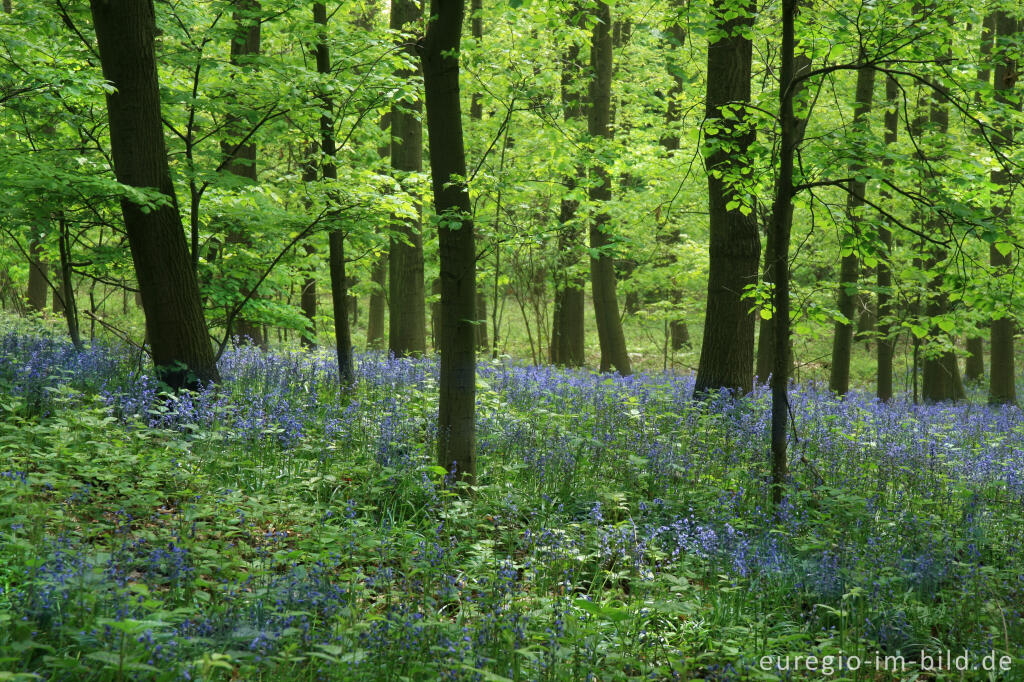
x=276 y=528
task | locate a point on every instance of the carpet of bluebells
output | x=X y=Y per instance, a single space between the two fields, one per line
x=275 y=527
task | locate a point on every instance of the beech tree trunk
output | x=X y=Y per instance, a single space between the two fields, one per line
x=940 y=376
x=407 y=321
x=602 y=262
x=177 y=331
x=566 y=347
x=456 y=409
x=974 y=366
x=679 y=333
x=727 y=349
x=241 y=158
x=782 y=221
x=842 y=340
x=886 y=309
x=336 y=238
x=1002 y=373
x=37 y=285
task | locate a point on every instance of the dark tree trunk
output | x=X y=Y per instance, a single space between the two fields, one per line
x=336 y=238
x=566 y=346
x=766 y=333
x=240 y=159
x=602 y=263
x=406 y=300
x=842 y=340
x=1002 y=374
x=308 y=295
x=678 y=332
x=177 y=331
x=782 y=221
x=940 y=377
x=37 y=284
x=67 y=293
x=727 y=349
x=456 y=409
x=886 y=309
x=375 y=335
x=974 y=366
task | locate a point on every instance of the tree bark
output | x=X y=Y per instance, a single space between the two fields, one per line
x=886 y=309
x=842 y=340
x=602 y=263
x=974 y=366
x=177 y=331
x=406 y=299
x=456 y=409
x=37 y=285
x=940 y=376
x=335 y=238
x=727 y=349
x=782 y=221
x=567 y=336
x=1002 y=373
x=240 y=159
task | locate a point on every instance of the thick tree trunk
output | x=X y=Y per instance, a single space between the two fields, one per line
x=974 y=366
x=177 y=331
x=602 y=263
x=456 y=409
x=782 y=221
x=336 y=238
x=406 y=299
x=842 y=340
x=37 y=285
x=240 y=159
x=727 y=349
x=567 y=336
x=886 y=309
x=940 y=377
x=375 y=335
x=1002 y=373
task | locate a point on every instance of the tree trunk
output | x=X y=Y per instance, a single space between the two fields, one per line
x=336 y=238
x=886 y=309
x=37 y=285
x=974 y=367
x=766 y=333
x=1002 y=374
x=782 y=221
x=406 y=299
x=602 y=262
x=567 y=336
x=68 y=290
x=177 y=331
x=842 y=340
x=940 y=377
x=308 y=296
x=240 y=159
x=727 y=349
x=456 y=413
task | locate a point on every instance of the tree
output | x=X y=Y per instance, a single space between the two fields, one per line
x=407 y=322
x=336 y=238
x=175 y=325
x=886 y=308
x=456 y=409
x=567 y=317
x=727 y=350
x=602 y=264
x=1002 y=377
x=842 y=339
x=240 y=154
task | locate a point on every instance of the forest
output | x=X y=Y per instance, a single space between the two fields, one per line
x=511 y=340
